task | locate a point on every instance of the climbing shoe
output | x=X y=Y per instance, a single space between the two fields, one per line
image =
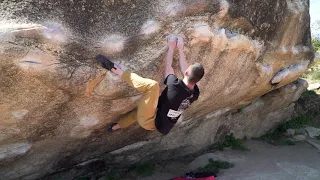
x=105 y=62
x=110 y=127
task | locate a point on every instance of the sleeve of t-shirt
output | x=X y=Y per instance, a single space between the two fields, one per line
x=196 y=94
x=171 y=79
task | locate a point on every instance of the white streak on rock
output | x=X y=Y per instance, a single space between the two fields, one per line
x=264 y=70
x=175 y=9
x=294 y=50
x=224 y=8
x=150 y=27
x=52 y=31
x=113 y=44
x=55 y=33
x=217 y=113
x=12 y=151
x=284 y=49
x=130 y=147
x=306 y=48
x=19 y=114
x=37 y=61
x=8 y=26
x=87 y=121
x=135 y=98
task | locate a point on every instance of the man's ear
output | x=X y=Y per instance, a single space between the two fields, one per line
x=186 y=73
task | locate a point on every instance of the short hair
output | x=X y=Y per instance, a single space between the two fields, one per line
x=196 y=72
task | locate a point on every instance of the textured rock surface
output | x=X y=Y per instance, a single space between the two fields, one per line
x=13 y=151
x=249 y=48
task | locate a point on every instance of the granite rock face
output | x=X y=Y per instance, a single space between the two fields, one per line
x=253 y=52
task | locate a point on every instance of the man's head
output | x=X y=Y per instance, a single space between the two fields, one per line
x=194 y=73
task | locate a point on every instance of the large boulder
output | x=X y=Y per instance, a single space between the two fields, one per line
x=53 y=116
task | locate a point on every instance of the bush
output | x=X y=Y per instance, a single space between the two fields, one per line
x=295 y=123
x=315 y=75
x=113 y=176
x=215 y=166
x=310 y=93
x=145 y=169
x=232 y=142
x=316 y=44
x=275 y=137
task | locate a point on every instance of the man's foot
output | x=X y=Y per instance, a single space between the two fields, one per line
x=105 y=62
x=113 y=127
x=117 y=70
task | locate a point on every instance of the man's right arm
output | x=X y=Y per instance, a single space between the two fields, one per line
x=182 y=57
x=168 y=63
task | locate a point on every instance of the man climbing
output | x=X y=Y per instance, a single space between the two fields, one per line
x=154 y=112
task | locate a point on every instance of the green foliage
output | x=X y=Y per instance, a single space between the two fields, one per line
x=163 y=162
x=216 y=147
x=236 y=144
x=295 y=123
x=230 y=142
x=315 y=75
x=83 y=178
x=310 y=93
x=290 y=142
x=311 y=75
x=316 y=44
x=215 y=166
x=144 y=169
x=113 y=176
x=275 y=137
x=318 y=137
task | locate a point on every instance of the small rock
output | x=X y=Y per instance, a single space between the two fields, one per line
x=312 y=131
x=300 y=131
x=299 y=137
x=289 y=132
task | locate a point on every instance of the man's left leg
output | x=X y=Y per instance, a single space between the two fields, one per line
x=146 y=110
x=147 y=106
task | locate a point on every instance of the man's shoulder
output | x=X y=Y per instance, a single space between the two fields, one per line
x=171 y=79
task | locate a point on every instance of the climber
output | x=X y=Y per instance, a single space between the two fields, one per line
x=154 y=112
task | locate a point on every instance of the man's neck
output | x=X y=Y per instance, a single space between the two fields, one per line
x=190 y=86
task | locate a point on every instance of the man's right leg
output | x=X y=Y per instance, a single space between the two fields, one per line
x=128 y=119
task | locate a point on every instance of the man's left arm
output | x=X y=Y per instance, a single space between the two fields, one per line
x=182 y=57
x=169 y=56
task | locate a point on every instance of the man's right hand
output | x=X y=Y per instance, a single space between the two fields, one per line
x=172 y=41
x=180 y=43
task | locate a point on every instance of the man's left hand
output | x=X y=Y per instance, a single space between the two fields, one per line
x=172 y=41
